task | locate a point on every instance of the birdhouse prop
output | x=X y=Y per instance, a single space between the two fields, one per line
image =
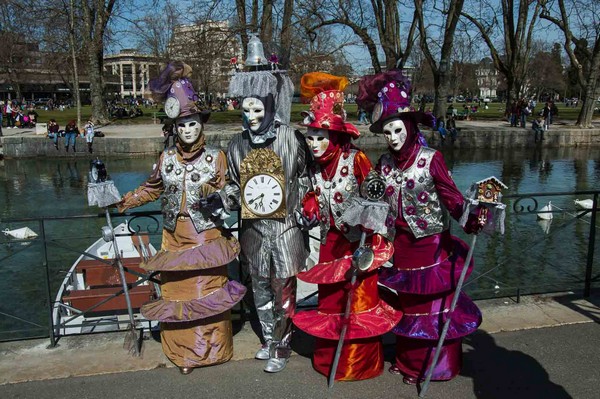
x=485 y=199
x=490 y=190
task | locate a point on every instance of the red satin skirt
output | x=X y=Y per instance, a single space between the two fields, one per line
x=361 y=358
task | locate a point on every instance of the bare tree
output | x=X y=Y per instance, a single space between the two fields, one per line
x=440 y=69
x=273 y=27
x=582 y=49
x=13 y=48
x=513 y=58
x=361 y=18
x=154 y=30
x=96 y=15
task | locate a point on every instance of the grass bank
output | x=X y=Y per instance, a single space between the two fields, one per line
x=495 y=111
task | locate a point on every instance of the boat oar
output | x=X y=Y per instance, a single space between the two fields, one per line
x=362 y=259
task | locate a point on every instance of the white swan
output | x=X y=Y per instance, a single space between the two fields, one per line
x=545 y=212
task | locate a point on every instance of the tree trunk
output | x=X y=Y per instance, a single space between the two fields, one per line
x=286 y=33
x=76 y=93
x=584 y=119
x=266 y=22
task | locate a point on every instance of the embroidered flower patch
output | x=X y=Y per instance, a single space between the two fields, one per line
x=422 y=224
x=389 y=191
x=411 y=210
x=421 y=163
x=410 y=184
x=338 y=197
x=422 y=197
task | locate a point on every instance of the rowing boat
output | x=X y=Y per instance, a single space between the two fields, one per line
x=90 y=298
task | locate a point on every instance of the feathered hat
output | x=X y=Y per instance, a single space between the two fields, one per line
x=326 y=95
x=174 y=87
x=387 y=96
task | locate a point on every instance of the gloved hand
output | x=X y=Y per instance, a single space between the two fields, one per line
x=212 y=203
x=304 y=222
x=477 y=220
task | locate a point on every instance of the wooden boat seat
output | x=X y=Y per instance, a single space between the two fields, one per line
x=83 y=299
x=98 y=274
x=93 y=262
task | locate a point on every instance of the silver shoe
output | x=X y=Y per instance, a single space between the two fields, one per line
x=263 y=352
x=275 y=365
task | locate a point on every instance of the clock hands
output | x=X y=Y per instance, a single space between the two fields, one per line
x=254 y=199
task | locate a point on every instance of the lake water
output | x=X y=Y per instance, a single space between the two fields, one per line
x=525 y=257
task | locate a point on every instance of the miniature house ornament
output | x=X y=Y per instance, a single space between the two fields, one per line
x=485 y=197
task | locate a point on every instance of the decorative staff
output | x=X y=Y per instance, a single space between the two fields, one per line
x=103 y=193
x=370 y=214
x=484 y=197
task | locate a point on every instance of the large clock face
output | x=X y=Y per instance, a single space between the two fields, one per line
x=172 y=107
x=263 y=194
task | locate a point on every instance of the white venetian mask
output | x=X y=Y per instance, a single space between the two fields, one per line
x=318 y=141
x=395 y=134
x=254 y=112
x=189 y=128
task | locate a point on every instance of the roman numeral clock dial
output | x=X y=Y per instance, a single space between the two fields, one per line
x=263 y=195
x=262 y=183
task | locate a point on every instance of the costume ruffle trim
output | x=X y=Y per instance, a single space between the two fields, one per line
x=431 y=279
x=339 y=269
x=376 y=321
x=217 y=252
x=217 y=302
x=465 y=320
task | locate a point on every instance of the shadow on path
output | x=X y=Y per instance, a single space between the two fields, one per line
x=500 y=373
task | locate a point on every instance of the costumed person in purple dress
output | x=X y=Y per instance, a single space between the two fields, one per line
x=427 y=259
x=337 y=172
x=267 y=163
x=196 y=295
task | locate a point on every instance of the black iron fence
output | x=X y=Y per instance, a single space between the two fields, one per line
x=531 y=257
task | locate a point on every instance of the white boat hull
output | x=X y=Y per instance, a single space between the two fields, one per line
x=67 y=318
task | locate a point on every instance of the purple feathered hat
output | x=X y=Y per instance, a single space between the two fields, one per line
x=387 y=96
x=174 y=81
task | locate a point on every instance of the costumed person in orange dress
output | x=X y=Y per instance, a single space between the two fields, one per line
x=197 y=296
x=428 y=260
x=337 y=172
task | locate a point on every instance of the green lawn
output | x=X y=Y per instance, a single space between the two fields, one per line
x=495 y=111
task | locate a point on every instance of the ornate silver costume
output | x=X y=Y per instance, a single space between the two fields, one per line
x=190 y=177
x=274 y=250
x=421 y=207
x=337 y=193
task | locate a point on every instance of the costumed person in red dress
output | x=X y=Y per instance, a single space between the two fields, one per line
x=427 y=259
x=337 y=172
x=196 y=295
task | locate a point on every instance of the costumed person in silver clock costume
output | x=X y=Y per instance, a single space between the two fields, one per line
x=267 y=162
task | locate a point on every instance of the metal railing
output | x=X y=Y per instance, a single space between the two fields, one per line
x=49 y=243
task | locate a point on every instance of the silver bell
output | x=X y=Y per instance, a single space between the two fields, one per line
x=256 y=54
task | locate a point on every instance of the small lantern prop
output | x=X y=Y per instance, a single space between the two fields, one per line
x=485 y=198
x=101 y=190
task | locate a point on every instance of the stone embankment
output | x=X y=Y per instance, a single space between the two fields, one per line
x=140 y=140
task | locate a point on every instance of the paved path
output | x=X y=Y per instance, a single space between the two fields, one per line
x=545 y=346
x=548 y=363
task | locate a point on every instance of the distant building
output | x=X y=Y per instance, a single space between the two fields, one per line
x=208 y=48
x=487 y=78
x=133 y=71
